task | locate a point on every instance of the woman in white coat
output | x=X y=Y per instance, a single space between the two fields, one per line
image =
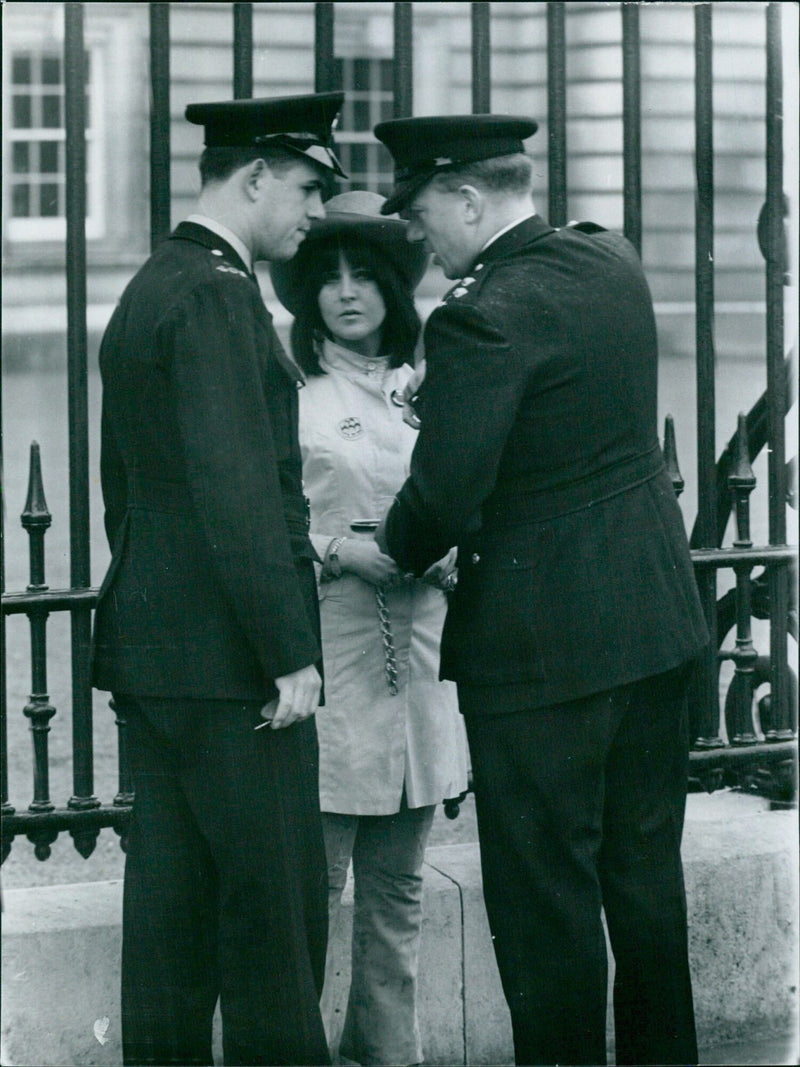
x=392 y=743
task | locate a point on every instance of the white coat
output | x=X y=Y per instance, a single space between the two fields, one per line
x=356 y=451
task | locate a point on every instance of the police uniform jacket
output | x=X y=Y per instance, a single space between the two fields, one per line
x=538 y=456
x=210 y=592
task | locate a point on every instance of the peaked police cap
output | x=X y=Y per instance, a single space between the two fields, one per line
x=423 y=146
x=301 y=124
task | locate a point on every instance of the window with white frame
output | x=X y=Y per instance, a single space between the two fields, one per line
x=36 y=179
x=367 y=83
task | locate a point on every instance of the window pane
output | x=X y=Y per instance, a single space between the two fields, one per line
x=386 y=74
x=346 y=115
x=21 y=70
x=361 y=115
x=51 y=70
x=358 y=158
x=22 y=157
x=51 y=112
x=21 y=106
x=48 y=200
x=48 y=158
x=20 y=202
x=387 y=110
x=361 y=72
x=343 y=155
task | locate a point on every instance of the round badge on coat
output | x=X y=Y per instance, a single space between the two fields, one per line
x=350 y=428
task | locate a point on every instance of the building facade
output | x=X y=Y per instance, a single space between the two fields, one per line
x=117 y=96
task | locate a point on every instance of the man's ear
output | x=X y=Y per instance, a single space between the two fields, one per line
x=472 y=203
x=255 y=175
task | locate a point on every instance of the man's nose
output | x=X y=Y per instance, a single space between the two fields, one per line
x=316 y=209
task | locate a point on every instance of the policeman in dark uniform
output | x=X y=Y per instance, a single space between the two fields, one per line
x=207 y=627
x=576 y=616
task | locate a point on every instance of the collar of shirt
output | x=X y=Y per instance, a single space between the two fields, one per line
x=337 y=356
x=227 y=235
x=510 y=226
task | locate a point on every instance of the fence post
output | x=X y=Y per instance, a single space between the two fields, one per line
x=403 y=67
x=36 y=519
x=632 y=125
x=780 y=710
x=481 y=58
x=323 y=47
x=160 y=178
x=242 y=51
x=83 y=797
x=556 y=115
x=705 y=727
x=739 y=700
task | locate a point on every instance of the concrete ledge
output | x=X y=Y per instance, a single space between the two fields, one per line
x=61 y=950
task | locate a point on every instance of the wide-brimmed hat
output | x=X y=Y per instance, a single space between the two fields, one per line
x=351 y=217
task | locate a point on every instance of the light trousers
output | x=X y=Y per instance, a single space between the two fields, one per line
x=387 y=852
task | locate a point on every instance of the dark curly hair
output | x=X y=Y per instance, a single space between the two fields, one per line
x=401 y=327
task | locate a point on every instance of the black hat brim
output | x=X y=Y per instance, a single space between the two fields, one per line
x=404 y=192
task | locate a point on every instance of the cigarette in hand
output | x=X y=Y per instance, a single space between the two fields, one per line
x=270 y=709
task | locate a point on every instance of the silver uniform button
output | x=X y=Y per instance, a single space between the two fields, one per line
x=475 y=557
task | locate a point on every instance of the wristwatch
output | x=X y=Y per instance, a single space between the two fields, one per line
x=331 y=567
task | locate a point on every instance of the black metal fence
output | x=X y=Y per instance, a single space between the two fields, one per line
x=760 y=746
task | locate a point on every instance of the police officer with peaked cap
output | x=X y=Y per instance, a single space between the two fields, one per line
x=207 y=625
x=576 y=616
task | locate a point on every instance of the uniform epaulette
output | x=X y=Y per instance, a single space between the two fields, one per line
x=586 y=227
x=226 y=268
x=461 y=288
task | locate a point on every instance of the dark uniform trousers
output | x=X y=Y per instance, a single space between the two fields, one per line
x=225 y=890
x=580 y=807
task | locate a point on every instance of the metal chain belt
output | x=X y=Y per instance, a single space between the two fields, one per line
x=390 y=662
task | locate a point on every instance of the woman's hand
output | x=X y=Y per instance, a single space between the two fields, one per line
x=365 y=559
x=410 y=391
x=443 y=574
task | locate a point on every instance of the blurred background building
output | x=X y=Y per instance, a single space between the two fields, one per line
x=117 y=81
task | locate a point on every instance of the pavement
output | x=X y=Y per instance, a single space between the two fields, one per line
x=61 y=952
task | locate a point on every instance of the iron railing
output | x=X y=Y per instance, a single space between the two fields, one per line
x=750 y=756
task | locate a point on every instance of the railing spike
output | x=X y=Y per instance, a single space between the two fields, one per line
x=671 y=456
x=741 y=475
x=35 y=512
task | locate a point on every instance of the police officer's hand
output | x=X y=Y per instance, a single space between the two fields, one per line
x=298 y=697
x=366 y=560
x=409 y=393
x=443 y=574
